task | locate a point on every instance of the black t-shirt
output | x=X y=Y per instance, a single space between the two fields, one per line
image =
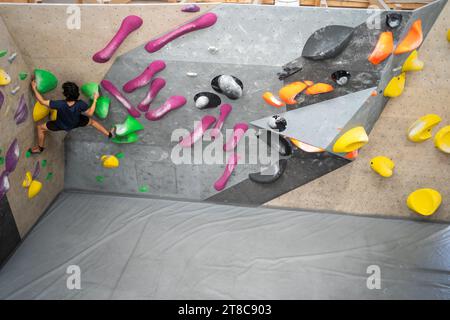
x=68 y=116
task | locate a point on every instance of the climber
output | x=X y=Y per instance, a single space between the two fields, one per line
x=71 y=113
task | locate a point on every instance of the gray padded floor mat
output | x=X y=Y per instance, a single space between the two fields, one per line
x=139 y=248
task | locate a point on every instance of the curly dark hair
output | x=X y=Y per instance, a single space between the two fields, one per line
x=71 y=91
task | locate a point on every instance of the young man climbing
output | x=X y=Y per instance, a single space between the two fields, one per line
x=72 y=113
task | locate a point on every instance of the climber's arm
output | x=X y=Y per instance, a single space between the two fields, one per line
x=38 y=96
x=90 y=112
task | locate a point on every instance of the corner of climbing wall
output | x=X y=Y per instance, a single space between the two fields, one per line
x=21 y=207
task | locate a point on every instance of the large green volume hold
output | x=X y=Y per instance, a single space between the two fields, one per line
x=89 y=89
x=132 y=137
x=129 y=126
x=45 y=80
x=102 y=107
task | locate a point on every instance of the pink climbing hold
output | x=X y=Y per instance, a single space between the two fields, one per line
x=225 y=110
x=190 y=8
x=129 y=24
x=223 y=180
x=156 y=86
x=108 y=86
x=145 y=77
x=198 y=132
x=204 y=21
x=172 y=103
x=238 y=132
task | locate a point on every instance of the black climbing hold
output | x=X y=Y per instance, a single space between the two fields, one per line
x=327 y=42
x=271 y=174
x=283 y=146
x=393 y=20
x=228 y=85
x=341 y=77
x=206 y=100
x=277 y=123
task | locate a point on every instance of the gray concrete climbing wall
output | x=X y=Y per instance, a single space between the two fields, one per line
x=245 y=51
x=250 y=50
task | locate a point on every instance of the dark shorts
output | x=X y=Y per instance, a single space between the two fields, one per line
x=53 y=125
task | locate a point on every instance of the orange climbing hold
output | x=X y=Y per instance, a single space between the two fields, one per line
x=309 y=83
x=290 y=91
x=305 y=147
x=352 y=155
x=270 y=99
x=383 y=49
x=319 y=88
x=412 y=40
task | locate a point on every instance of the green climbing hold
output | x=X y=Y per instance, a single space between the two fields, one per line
x=3 y=53
x=45 y=80
x=100 y=178
x=131 y=138
x=23 y=75
x=2 y=161
x=102 y=107
x=129 y=126
x=120 y=155
x=144 y=188
x=44 y=163
x=89 y=89
x=49 y=176
x=27 y=154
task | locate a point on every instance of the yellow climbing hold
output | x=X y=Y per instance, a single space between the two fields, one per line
x=40 y=111
x=420 y=130
x=351 y=140
x=110 y=161
x=413 y=63
x=424 y=201
x=395 y=86
x=442 y=139
x=34 y=189
x=28 y=179
x=5 y=79
x=448 y=35
x=383 y=166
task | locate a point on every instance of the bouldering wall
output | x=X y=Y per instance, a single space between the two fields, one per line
x=68 y=52
x=247 y=48
x=240 y=49
x=355 y=188
x=18 y=212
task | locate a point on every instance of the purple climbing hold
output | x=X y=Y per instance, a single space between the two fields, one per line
x=12 y=157
x=190 y=8
x=232 y=162
x=198 y=132
x=4 y=184
x=129 y=24
x=239 y=130
x=204 y=21
x=2 y=99
x=145 y=77
x=111 y=88
x=156 y=86
x=22 y=111
x=172 y=103
x=225 y=110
